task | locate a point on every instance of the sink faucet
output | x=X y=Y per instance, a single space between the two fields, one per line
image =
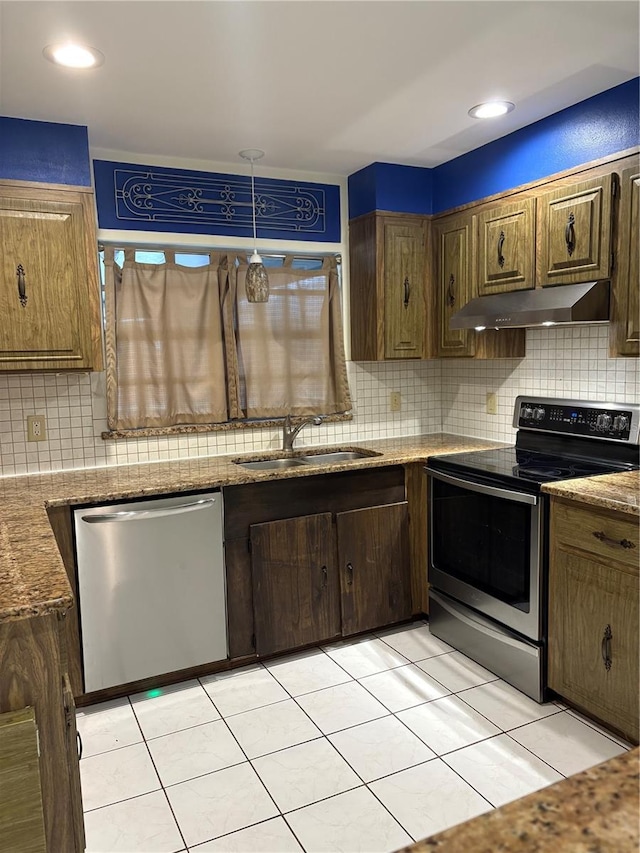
x=290 y=432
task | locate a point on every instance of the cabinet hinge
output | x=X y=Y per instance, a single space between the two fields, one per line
x=253 y=642
x=38 y=740
x=614 y=186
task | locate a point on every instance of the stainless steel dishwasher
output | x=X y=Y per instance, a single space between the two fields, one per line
x=151 y=587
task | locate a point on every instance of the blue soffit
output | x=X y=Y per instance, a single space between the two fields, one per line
x=154 y=198
x=44 y=151
x=597 y=127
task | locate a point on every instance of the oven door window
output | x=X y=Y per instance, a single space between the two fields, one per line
x=484 y=541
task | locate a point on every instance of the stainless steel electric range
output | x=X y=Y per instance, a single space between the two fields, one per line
x=488 y=529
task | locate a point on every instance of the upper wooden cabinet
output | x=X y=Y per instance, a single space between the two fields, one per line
x=388 y=280
x=574 y=232
x=453 y=237
x=625 y=302
x=49 y=293
x=506 y=248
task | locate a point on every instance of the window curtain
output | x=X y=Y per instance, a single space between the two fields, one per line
x=166 y=360
x=289 y=351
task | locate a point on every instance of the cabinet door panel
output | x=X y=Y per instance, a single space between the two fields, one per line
x=625 y=315
x=75 y=793
x=373 y=552
x=41 y=238
x=574 y=228
x=454 y=284
x=506 y=248
x=404 y=290
x=295 y=585
x=588 y=601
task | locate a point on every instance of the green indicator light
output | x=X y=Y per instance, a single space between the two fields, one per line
x=151 y=694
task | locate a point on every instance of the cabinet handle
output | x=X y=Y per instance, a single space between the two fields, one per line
x=22 y=287
x=324 y=577
x=602 y=536
x=407 y=291
x=79 y=742
x=570 y=234
x=349 y=574
x=500 y=245
x=606 y=648
x=451 y=297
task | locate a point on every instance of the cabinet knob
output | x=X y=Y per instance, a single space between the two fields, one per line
x=570 y=234
x=22 y=287
x=500 y=245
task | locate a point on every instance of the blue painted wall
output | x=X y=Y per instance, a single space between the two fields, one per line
x=601 y=125
x=385 y=186
x=44 y=151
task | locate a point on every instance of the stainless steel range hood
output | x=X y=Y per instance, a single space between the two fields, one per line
x=569 y=303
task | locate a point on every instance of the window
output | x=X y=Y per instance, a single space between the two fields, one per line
x=184 y=346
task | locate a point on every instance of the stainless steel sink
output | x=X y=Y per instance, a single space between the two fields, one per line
x=335 y=456
x=271 y=464
x=323 y=458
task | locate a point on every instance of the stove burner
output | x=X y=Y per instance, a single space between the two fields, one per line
x=551 y=473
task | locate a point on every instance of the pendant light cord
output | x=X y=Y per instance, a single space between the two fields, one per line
x=253 y=210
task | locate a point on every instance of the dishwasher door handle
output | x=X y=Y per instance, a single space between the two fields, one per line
x=142 y=514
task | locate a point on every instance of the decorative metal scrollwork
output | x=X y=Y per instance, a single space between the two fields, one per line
x=451 y=296
x=500 y=245
x=22 y=287
x=570 y=234
x=606 y=648
x=602 y=536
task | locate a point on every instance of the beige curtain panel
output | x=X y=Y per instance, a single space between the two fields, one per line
x=166 y=362
x=290 y=350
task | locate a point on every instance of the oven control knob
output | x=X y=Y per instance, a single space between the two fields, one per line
x=620 y=423
x=538 y=413
x=603 y=422
x=527 y=413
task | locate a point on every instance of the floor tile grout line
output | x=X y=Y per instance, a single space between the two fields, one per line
x=123 y=800
x=535 y=755
x=592 y=725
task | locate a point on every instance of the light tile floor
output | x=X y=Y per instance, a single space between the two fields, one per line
x=364 y=745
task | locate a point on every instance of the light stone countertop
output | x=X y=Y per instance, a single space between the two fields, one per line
x=595 y=811
x=610 y=491
x=33 y=580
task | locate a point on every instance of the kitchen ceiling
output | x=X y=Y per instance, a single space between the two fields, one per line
x=321 y=86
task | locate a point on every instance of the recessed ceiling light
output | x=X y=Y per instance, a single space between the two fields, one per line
x=73 y=55
x=491 y=109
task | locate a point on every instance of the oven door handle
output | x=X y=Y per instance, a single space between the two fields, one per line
x=493 y=491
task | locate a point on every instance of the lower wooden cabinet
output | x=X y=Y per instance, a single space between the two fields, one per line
x=373 y=553
x=593 y=613
x=295 y=583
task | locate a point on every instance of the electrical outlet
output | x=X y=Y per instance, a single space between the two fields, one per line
x=395 y=401
x=492 y=404
x=36 y=428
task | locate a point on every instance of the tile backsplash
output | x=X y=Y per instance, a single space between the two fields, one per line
x=436 y=396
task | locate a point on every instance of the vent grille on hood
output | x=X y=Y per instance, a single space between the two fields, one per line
x=569 y=303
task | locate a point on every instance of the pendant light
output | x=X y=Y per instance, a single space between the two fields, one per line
x=256 y=281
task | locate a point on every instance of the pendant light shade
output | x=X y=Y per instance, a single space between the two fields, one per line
x=256 y=280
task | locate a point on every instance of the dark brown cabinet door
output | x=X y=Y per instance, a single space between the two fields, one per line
x=373 y=554
x=574 y=228
x=506 y=248
x=405 y=247
x=295 y=584
x=625 y=309
x=454 y=283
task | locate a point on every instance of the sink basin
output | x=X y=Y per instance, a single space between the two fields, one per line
x=335 y=456
x=271 y=464
x=322 y=458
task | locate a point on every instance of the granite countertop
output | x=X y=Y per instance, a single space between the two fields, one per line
x=33 y=580
x=595 y=811
x=610 y=491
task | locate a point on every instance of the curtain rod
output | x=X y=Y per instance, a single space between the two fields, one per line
x=197 y=250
